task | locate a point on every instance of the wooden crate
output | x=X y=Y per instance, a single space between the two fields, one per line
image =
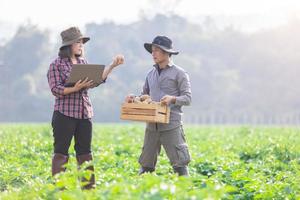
x=145 y=112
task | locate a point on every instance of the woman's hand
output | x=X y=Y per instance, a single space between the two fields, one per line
x=117 y=60
x=83 y=84
x=78 y=86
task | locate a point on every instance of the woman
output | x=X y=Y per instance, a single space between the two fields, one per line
x=72 y=110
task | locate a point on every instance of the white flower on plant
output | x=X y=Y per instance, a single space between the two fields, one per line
x=172 y=189
x=163 y=186
x=153 y=190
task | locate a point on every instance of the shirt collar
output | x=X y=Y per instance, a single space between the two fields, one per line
x=170 y=64
x=68 y=60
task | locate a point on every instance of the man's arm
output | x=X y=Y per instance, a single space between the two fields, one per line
x=146 y=89
x=185 y=94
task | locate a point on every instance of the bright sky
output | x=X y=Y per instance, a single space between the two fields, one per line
x=58 y=14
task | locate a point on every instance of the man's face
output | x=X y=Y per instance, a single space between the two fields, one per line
x=77 y=47
x=158 y=55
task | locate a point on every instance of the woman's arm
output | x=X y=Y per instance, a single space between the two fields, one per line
x=56 y=86
x=118 y=60
x=54 y=80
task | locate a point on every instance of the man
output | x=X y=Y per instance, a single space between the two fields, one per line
x=170 y=85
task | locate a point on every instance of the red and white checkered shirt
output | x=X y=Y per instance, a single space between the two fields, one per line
x=77 y=104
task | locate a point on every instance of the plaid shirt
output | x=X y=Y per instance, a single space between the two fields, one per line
x=77 y=104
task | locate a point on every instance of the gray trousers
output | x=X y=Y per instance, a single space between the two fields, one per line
x=173 y=142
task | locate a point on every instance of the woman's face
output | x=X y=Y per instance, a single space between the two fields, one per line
x=77 y=48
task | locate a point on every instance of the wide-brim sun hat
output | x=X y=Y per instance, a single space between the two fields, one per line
x=162 y=42
x=71 y=36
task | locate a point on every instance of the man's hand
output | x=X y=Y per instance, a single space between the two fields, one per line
x=167 y=100
x=129 y=98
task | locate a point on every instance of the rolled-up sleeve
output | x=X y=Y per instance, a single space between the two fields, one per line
x=54 y=81
x=185 y=93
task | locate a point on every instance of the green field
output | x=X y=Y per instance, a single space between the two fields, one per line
x=227 y=163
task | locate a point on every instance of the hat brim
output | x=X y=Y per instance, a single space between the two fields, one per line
x=84 y=40
x=148 y=47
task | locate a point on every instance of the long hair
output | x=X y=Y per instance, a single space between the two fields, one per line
x=66 y=52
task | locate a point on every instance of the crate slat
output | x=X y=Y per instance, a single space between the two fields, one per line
x=145 y=112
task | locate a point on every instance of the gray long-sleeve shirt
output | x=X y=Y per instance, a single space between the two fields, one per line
x=174 y=81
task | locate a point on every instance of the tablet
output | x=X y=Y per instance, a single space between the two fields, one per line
x=81 y=71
